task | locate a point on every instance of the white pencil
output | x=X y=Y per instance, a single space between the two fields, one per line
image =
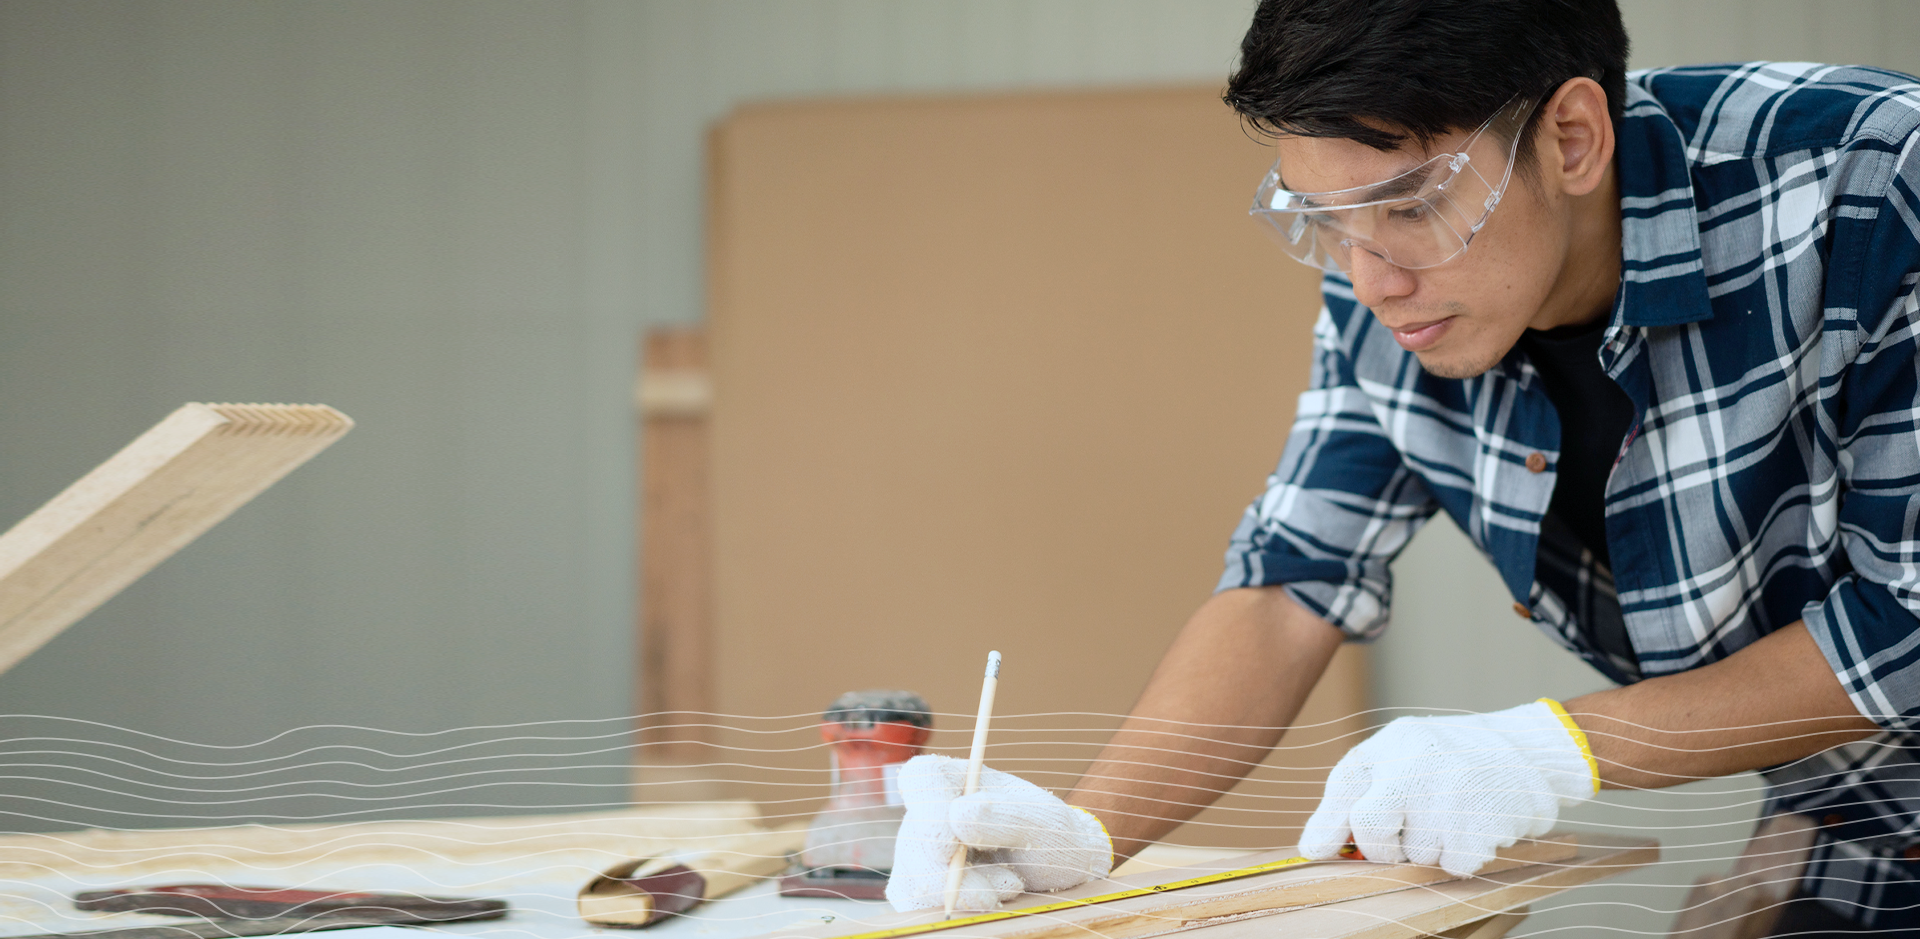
x=958 y=865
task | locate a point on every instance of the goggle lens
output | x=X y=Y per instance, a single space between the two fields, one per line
x=1448 y=201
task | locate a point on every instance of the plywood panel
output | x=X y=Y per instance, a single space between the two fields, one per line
x=990 y=373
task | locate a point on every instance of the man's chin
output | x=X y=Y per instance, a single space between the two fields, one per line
x=1455 y=365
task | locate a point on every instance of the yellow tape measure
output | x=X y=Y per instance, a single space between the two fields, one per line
x=1083 y=901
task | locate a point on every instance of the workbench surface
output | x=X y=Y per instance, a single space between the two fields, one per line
x=542 y=899
x=537 y=864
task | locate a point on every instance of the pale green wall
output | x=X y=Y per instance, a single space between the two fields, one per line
x=386 y=207
x=450 y=218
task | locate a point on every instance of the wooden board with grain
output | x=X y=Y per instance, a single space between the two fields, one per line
x=1261 y=895
x=591 y=841
x=144 y=503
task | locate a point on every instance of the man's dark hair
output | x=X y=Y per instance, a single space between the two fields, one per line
x=1417 y=68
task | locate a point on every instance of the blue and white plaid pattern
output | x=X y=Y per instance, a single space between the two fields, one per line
x=1765 y=330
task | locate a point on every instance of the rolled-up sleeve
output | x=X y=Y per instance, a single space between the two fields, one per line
x=1868 y=625
x=1340 y=506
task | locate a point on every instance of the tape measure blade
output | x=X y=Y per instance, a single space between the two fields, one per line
x=1077 y=903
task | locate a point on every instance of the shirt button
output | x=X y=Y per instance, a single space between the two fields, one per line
x=1536 y=462
x=1833 y=819
x=1520 y=610
x=1911 y=854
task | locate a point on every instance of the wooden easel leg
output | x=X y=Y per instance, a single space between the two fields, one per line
x=676 y=644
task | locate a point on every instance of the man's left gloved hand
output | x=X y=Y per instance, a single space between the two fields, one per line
x=1452 y=790
x=1020 y=837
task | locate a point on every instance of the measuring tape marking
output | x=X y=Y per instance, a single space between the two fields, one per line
x=998 y=915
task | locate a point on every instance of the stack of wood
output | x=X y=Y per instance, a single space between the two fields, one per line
x=1347 y=899
x=1748 y=901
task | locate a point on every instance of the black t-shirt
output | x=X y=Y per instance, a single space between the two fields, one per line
x=1595 y=416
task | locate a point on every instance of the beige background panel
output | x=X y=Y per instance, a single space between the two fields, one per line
x=990 y=373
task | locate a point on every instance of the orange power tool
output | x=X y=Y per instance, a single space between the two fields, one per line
x=849 y=849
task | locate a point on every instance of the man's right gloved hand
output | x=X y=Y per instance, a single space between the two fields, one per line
x=1020 y=838
x=1452 y=790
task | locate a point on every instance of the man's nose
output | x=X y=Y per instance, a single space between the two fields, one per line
x=1376 y=279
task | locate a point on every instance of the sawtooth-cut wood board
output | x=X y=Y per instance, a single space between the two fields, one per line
x=151 y=499
x=1563 y=862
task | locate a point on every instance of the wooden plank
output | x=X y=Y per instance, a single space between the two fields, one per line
x=599 y=838
x=1160 y=856
x=1181 y=907
x=676 y=574
x=151 y=499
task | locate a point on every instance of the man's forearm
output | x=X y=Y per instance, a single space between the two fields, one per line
x=1774 y=701
x=1232 y=681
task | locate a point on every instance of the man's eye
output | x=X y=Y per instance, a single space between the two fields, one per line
x=1409 y=212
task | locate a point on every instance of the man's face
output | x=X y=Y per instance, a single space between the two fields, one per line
x=1461 y=317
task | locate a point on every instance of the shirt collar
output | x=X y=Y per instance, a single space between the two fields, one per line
x=1662 y=279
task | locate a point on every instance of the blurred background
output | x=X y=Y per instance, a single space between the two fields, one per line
x=454 y=220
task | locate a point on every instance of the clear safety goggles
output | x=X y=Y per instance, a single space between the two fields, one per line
x=1423 y=217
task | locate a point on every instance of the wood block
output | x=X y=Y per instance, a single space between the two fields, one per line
x=640 y=891
x=151 y=499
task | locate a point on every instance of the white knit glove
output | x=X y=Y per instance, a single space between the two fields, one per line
x=1452 y=790
x=1020 y=838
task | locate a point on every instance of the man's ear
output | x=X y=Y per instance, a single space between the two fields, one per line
x=1575 y=137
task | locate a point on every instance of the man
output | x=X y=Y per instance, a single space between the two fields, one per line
x=1650 y=342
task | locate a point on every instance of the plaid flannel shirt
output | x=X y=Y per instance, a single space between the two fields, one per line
x=1765 y=330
